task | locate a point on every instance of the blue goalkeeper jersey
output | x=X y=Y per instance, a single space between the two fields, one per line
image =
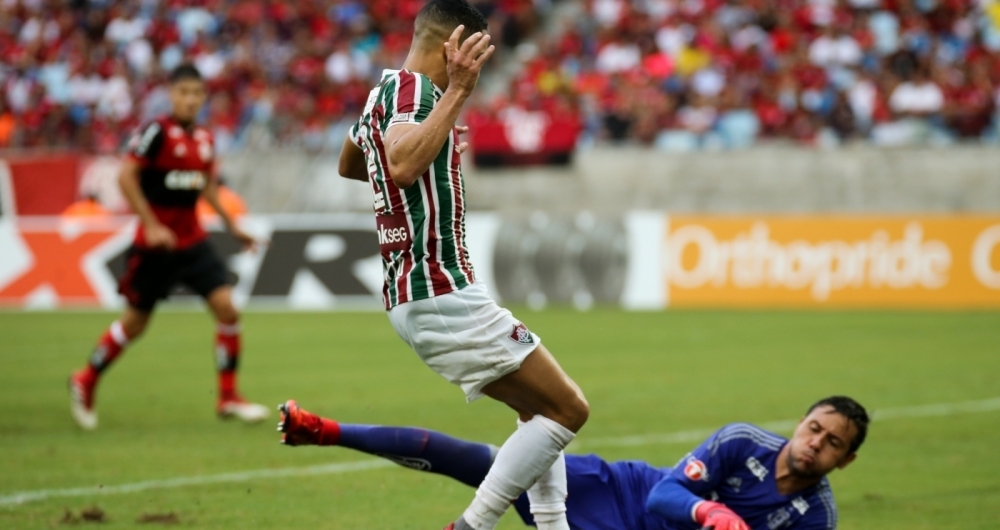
x=735 y=466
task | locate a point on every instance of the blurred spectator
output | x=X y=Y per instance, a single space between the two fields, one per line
x=80 y=74
x=919 y=98
x=698 y=117
x=834 y=48
x=732 y=71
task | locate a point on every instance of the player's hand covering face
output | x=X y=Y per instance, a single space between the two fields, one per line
x=821 y=443
x=465 y=60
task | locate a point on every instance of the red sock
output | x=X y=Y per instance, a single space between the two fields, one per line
x=329 y=433
x=108 y=348
x=227 y=352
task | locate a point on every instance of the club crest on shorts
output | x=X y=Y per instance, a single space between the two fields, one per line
x=521 y=335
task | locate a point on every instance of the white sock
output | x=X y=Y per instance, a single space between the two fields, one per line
x=548 y=495
x=522 y=459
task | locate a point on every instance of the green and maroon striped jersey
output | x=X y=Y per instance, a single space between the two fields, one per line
x=421 y=229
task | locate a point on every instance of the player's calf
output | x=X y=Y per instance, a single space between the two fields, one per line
x=109 y=347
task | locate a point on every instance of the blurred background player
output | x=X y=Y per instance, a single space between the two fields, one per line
x=406 y=145
x=169 y=166
x=742 y=477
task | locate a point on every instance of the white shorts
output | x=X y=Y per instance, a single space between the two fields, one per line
x=465 y=337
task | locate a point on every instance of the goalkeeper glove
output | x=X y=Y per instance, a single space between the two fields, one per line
x=715 y=515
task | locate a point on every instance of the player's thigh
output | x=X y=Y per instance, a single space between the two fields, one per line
x=134 y=321
x=220 y=302
x=541 y=386
x=206 y=274
x=148 y=278
x=465 y=337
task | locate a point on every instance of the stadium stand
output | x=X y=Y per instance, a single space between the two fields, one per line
x=78 y=74
x=676 y=74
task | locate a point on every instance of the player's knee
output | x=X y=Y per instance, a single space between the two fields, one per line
x=574 y=413
x=134 y=329
x=227 y=314
x=225 y=311
x=133 y=324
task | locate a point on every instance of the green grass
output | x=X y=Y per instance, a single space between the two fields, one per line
x=642 y=372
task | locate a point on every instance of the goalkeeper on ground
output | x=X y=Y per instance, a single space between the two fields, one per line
x=742 y=477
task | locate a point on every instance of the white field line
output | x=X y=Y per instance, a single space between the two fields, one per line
x=18 y=498
x=243 y=476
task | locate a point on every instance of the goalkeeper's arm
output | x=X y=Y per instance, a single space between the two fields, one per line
x=672 y=501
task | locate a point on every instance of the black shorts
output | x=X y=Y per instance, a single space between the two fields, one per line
x=150 y=275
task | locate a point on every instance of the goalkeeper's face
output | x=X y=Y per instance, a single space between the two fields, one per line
x=821 y=443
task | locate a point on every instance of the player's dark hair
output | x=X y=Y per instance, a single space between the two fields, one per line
x=850 y=409
x=184 y=72
x=446 y=15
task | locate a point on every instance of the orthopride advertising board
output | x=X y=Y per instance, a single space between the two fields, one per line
x=832 y=261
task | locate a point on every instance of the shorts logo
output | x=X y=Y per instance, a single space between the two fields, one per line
x=695 y=469
x=521 y=335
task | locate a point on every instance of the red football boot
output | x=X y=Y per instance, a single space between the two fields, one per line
x=301 y=427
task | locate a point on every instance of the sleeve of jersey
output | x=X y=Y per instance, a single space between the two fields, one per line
x=696 y=476
x=355 y=134
x=145 y=144
x=414 y=100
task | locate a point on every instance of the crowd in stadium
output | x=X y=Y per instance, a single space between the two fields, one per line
x=679 y=74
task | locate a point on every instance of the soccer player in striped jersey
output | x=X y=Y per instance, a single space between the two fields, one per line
x=741 y=477
x=406 y=146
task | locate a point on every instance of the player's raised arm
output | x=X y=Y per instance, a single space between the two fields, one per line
x=680 y=497
x=411 y=149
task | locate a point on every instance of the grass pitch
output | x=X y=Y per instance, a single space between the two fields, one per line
x=642 y=372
